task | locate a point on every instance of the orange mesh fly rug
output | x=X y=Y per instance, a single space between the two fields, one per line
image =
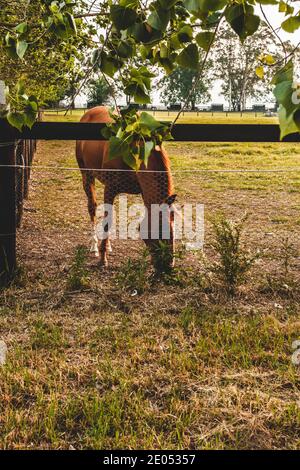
x=154 y=183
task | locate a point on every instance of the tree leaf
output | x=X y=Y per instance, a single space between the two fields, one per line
x=212 y=5
x=71 y=22
x=141 y=97
x=159 y=19
x=283 y=93
x=16 y=119
x=21 y=28
x=204 y=39
x=109 y=65
x=288 y=124
x=148 y=147
x=260 y=72
x=286 y=73
x=30 y=117
x=242 y=20
x=21 y=48
x=185 y=34
x=149 y=121
x=117 y=148
x=192 y=5
x=20 y=88
x=167 y=4
x=189 y=57
x=131 y=161
x=138 y=91
x=106 y=133
x=204 y=5
x=268 y=2
x=122 y=17
x=291 y=24
x=125 y=49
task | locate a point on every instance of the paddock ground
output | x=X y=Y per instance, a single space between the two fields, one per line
x=180 y=365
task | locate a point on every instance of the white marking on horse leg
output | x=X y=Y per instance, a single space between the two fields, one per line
x=109 y=247
x=94 y=248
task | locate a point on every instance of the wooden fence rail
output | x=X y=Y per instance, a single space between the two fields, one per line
x=84 y=131
x=181 y=132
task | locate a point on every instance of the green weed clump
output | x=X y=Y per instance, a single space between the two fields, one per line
x=133 y=275
x=78 y=274
x=235 y=261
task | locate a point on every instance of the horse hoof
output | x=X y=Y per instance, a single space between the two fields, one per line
x=95 y=253
x=103 y=263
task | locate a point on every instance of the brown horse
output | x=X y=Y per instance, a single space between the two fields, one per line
x=154 y=183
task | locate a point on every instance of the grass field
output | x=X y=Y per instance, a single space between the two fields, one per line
x=188 y=117
x=180 y=365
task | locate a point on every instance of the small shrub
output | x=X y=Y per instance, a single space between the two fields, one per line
x=133 y=274
x=78 y=275
x=234 y=260
x=162 y=256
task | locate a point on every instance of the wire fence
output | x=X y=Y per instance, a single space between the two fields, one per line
x=57 y=212
x=174 y=171
x=58 y=218
x=24 y=152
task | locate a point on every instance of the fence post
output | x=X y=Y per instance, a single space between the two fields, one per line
x=7 y=212
x=7 y=205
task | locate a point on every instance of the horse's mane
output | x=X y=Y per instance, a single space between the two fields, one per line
x=161 y=162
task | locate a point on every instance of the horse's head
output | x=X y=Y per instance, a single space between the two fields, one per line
x=157 y=231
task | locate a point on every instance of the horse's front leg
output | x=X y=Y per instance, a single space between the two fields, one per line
x=105 y=247
x=88 y=181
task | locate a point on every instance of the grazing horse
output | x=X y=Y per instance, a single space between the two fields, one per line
x=153 y=182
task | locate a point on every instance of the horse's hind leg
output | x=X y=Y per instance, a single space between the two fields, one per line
x=89 y=187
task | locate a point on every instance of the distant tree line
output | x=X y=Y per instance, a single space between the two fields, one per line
x=235 y=65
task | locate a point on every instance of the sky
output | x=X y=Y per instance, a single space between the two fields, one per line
x=275 y=18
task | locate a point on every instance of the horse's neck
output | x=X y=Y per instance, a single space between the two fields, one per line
x=156 y=182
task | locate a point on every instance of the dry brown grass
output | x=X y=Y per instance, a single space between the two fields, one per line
x=178 y=366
